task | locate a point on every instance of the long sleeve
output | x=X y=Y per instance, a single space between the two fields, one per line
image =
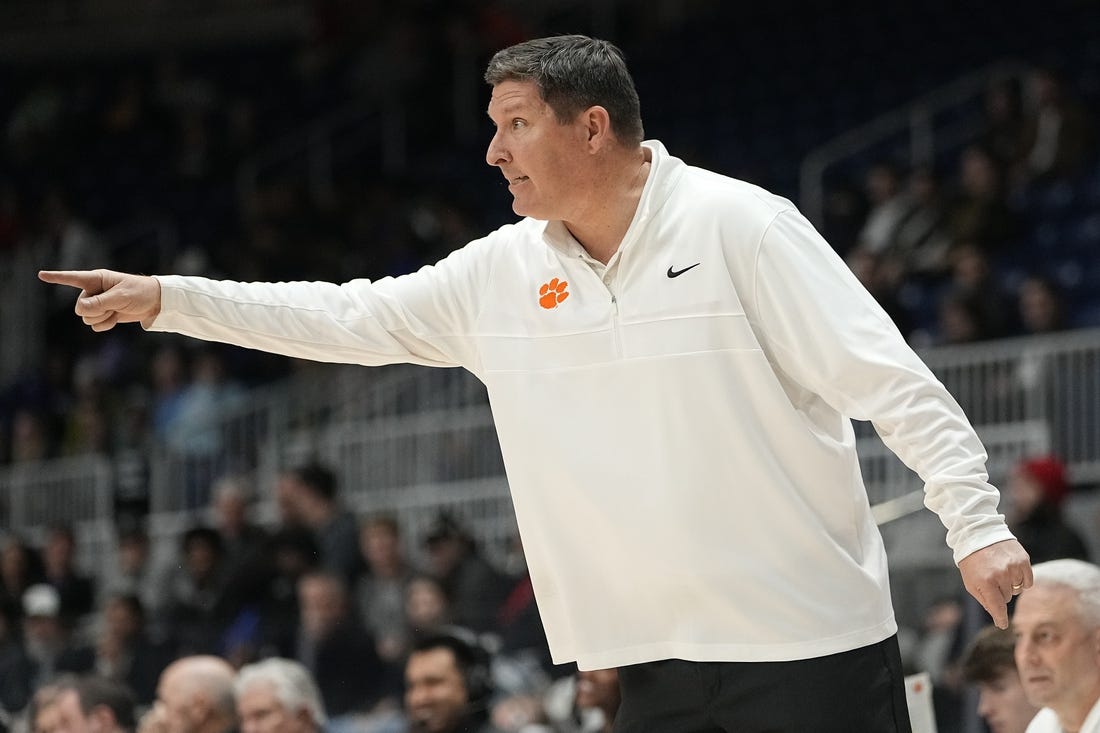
x=825 y=332
x=422 y=318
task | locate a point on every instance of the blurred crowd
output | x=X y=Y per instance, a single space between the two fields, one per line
x=340 y=594
x=953 y=250
x=349 y=598
x=155 y=169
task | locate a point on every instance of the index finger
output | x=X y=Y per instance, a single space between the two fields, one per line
x=87 y=280
x=997 y=609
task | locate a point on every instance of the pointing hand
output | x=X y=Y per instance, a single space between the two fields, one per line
x=107 y=297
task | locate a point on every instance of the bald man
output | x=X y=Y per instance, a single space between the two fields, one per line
x=194 y=695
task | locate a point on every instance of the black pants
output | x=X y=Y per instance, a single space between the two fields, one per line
x=861 y=691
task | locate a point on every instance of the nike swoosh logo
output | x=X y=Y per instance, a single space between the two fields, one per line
x=678 y=273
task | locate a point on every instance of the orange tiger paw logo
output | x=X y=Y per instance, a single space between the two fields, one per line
x=552 y=293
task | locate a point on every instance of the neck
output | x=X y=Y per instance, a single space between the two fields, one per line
x=602 y=222
x=1072 y=716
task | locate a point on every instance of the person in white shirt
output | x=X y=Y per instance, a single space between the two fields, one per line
x=1057 y=629
x=673 y=359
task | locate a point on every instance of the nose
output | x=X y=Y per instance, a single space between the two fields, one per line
x=985 y=705
x=496 y=154
x=1022 y=651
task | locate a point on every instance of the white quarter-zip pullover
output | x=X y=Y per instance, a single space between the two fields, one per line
x=676 y=430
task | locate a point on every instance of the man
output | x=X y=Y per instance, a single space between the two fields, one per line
x=335 y=648
x=194 y=695
x=673 y=359
x=447 y=686
x=42 y=714
x=95 y=705
x=990 y=664
x=476 y=589
x=1057 y=628
x=46 y=650
x=124 y=651
x=380 y=592
x=307 y=495
x=598 y=690
x=278 y=696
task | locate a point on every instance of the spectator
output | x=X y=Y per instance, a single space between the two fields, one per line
x=889 y=207
x=1042 y=308
x=937 y=653
x=1005 y=125
x=308 y=495
x=194 y=695
x=598 y=692
x=380 y=592
x=960 y=320
x=77 y=592
x=336 y=649
x=475 y=588
x=20 y=568
x=989 y=663
x=1060 y=134
x=95 y=705
x=47 y=650
x=124 y=652
x=883 y=278
x=1037 y=488
x=979 y=213
x=195 y=434
x=242 y=540
x=42 y=713
x=278 y=696
x=133 y=574
x=920 y=241
x=1057 y=627
x=448 y=686
x=292 y=553
x=427 y=607
x=973 y=280
x=196 y=609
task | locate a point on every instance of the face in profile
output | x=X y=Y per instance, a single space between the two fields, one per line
x=541 y=158
x=1057 y=654
x=1003 y=704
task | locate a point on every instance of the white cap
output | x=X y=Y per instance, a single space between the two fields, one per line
x=41 y=600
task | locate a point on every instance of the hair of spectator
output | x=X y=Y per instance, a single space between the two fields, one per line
x=386 y=522
x=132 y=603
x=291 y=683
x=989 y=655
x=471 y=659
x=574 y=73
x=205 y=535
x=94 y=691
x=1081 y=577
x=232 y=486
x=319 y=479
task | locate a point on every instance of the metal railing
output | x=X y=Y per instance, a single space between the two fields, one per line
x=407 y=440
x=914 y=123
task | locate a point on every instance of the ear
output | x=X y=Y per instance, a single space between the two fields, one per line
x=597 y=125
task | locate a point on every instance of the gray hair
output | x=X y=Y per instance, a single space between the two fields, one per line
x=1081 y=577
x=574 y=73
x=291 y=682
